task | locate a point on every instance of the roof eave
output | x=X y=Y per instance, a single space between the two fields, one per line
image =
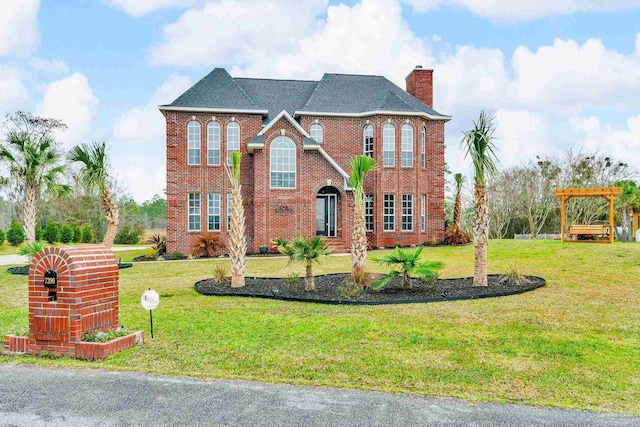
x=372 y=113
x=212 y=110
x=286 y=115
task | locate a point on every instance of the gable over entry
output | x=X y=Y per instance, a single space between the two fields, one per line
x=566 y=194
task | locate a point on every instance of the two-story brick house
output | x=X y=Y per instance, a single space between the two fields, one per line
x=296 y=138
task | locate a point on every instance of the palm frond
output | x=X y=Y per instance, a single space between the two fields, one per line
x=478 y=144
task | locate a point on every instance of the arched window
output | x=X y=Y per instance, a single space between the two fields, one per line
x=317 y=133
x=388 y=145
x=283 y=163
x=193 y=138
x=233 y=139
x=367 y=140
x=423 y=154
x=213 y=143
x=407 y=146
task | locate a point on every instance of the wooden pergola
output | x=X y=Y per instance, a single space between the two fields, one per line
x=607 y=193
x=635 y=223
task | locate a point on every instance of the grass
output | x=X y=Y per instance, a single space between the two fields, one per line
x=7 y=249
x=574 y=343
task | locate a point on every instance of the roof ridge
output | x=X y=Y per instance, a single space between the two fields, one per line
x=390 y=94
x=315 y=89
x=275 y=80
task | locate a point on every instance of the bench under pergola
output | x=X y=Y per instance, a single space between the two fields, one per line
x=566 y=194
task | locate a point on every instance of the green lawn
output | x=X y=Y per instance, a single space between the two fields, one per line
x=574 y=343
x=7 y=249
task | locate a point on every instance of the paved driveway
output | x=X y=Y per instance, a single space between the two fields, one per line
x=35 y=396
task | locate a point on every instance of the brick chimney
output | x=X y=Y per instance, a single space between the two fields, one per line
x=420 y=84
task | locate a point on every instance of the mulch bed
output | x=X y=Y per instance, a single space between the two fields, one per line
x=330 y=289
x=23 y=270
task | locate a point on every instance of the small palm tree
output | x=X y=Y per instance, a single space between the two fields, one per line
x=307 y=250
x=360 y=165
x=407 y=264
x=237 y=236
x=630 y=200
x=94 y=176
x=455 y=235
x=478 y=144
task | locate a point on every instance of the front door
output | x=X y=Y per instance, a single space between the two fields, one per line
x=326 y=215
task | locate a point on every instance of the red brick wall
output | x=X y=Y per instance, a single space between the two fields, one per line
x=87 y=297
x=420 y=85
x=284 y=213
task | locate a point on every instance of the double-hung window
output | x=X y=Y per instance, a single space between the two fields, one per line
x=367 y=137
x=389 y=213
x=368 y=212
x=388 y=145
x=194 y=212
x=233 y=139
x=214 y=212
x=423 y=213
x=213 y=143
x=407 y=146
x=423 y=143
x=283 y=163
x=407 y=212
x=228 y=211
x=193 y=142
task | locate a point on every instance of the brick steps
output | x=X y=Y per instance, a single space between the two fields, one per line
x=338 y=246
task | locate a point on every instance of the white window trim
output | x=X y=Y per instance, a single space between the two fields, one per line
x=210 y=214
x=199 y=144
x=228 y=152
x=219 y=143
x=402 y=150
x=228 y=211
x=314 y=125
x=364 y=140
x=392 y=215
x=295 y=163
x=189 y=214
x=402 y=214
x=423 y=213
x=373 y=213
x=389 y=126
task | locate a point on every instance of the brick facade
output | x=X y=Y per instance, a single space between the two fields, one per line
x=272 y=213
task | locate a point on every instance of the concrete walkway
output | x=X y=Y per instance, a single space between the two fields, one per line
x=35 y=396
x=22 y=259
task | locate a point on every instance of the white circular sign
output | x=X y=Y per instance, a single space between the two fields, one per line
x=150 y=299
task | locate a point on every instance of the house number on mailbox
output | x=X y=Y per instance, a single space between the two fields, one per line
x=50 y=279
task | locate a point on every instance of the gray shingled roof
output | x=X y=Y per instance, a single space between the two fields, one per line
x=334 y=93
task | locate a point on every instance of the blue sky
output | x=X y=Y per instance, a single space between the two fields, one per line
x=556 y=74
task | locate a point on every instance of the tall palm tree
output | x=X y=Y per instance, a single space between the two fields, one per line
x=94 y=176
x=455 y=235
x=237 y=236
x=360 y=165
x=457 y=207
x=478 y=144
x=34 y=164
x=630 y=200
x=307 y=250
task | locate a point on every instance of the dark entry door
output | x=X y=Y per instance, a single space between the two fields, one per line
x=326 y=215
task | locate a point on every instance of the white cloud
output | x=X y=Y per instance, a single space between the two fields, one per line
x=143 y=125
x=510 y=10
x=49 y=66
x=14 y=92
x=235 y=32
x=19 y=35
x=141 y=183
x=522 y=135
x=72 y=101
x=138 y=8
x=622 y=144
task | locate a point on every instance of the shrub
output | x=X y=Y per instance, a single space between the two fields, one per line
x=514 y=276
x=292 y=279
x=51 y=232
x=39 y=231
x=2 y=237
x=66 y=233
x=206 y=244
x=220 y=273
x=406 y=263
x=279 y=242
x=77 y=233
x=15 y=233
x=176 y=255
x=150 y=253
x=159 y=242
x=98 y=336
x=87 y=234
x=129 y=235
x=431 y=242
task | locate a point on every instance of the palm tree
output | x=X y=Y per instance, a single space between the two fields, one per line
x=455 y=235
x=307 y=250
x=360 y=165
x=94 y=175
x=630 y=199
x=237 y=237
x=34 y=165
x=407 y=264
x=478 y=144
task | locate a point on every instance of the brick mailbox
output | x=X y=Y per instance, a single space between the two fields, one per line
x=72 y=291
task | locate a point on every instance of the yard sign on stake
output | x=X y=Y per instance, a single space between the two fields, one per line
x=150 y=300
